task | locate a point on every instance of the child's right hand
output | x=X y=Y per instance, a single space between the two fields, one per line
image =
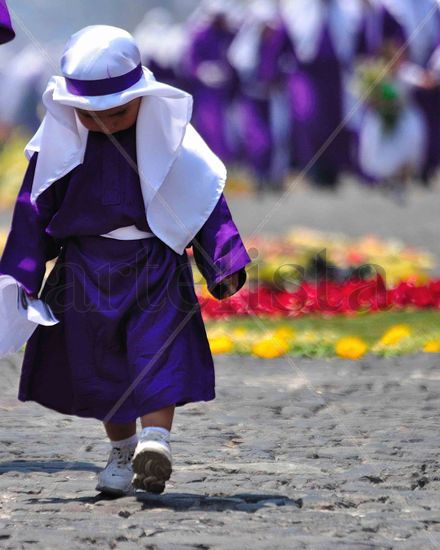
x=231 y=283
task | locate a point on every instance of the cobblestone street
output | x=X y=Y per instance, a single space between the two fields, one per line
x=303 y=454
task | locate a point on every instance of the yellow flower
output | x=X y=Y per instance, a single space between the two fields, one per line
x=433 y=346
x=270 y=348
x=351 y=347
x=240 y=332
x=308 y=337
x=285 y=332
x=394 y=335
x=221 y=344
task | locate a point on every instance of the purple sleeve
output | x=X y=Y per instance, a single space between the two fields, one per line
x=28 y=246
x=6 y=31
x=219 y=251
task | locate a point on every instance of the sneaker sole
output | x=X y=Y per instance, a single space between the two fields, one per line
x=115 y=492
x=151 y=470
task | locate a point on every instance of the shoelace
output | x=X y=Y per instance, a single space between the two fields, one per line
x=123 y=455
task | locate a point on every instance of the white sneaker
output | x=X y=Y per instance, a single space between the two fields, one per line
x=152 y=462
x=115 y=478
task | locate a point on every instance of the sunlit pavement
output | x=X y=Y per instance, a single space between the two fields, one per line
x=302 y=454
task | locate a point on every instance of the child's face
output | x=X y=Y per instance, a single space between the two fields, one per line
x=111 y=121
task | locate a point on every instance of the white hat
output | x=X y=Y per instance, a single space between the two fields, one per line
x=181 y=178
x=102 y=69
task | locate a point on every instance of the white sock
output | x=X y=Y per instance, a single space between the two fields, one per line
x=129 y=442
x=163 y=431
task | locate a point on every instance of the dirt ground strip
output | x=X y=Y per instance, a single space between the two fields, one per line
x=291 y=454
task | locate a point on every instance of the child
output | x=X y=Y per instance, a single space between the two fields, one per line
x=118 y=185
x=6 y=32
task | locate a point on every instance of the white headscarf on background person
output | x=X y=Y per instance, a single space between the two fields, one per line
x=26 y=73
x=181 y=178
x=420 y=21
x=208 y=10
x=160 y=38
x=304 y=20
x=244 y=51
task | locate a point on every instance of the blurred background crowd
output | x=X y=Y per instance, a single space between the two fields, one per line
x=320 y=87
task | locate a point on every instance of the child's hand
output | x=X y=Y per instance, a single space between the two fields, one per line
x=231 y=283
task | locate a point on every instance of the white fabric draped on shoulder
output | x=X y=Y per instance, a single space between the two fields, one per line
x=181 y=178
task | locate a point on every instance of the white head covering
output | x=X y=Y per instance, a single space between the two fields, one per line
x=181 y=179
x=161 y=39
x=420 y=21
x=208 y=10
x=305 y=19
x=245 y=49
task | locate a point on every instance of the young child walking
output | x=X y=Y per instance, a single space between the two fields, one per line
x=119 y=184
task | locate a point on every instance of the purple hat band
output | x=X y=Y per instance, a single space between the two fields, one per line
x=106 y=86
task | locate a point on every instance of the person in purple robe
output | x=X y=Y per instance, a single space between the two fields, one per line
x=118 y=186
x=419 y=28
x=214 y=81
x=410 y=31
x=379 y=32
x=321 y=36
x=253 y=54
x=6 y=31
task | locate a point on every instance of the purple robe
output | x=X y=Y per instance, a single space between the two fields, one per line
x=429 y=102
x=316 y=99
x=127 y=309
x=392 y=30
x=210 y=44
x=370 y=37
x=380 y=27
x=6 y=32
x=254 y=108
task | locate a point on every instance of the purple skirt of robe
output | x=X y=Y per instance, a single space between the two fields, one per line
x=130 y=340
x=6 y=32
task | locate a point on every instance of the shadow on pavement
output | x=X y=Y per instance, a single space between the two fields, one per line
x=187 y=501
x=246 y=502
x=46 y=466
